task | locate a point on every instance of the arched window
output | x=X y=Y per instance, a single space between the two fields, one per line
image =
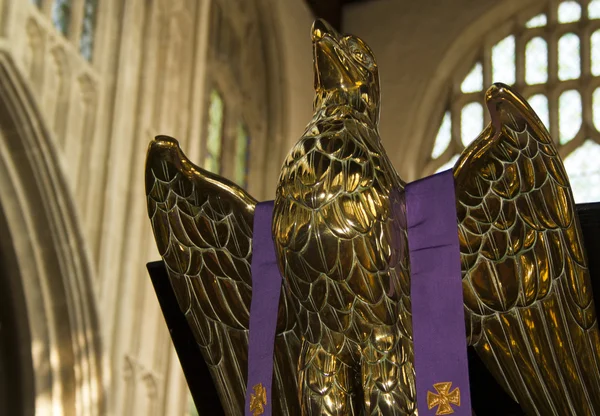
x=88 y=29
x=242 y=155
x=553 y=60
x=214 y=141
x=61 y=15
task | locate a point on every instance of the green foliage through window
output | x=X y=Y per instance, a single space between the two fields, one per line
x=242 y=156
x=214 y=141
x=88 y=29
x=575 y=128
x=61 y=15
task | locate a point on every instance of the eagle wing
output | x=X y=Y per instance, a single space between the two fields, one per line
x=527 y=291
x=203 y=229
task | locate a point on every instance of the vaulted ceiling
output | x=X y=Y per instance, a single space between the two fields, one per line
x=331 y=10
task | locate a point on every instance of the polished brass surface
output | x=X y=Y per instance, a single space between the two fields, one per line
x=344 y=336
x=528 y=297
x=340 y=234
x=203 y=229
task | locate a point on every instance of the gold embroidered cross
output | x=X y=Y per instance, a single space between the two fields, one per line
x=444 y=399
x=258 y=399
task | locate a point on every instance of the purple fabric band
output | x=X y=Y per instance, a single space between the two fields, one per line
x=266 y=289
x=436 y=296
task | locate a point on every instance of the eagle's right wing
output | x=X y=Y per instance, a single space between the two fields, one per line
x=203 y=229
x=527 y=289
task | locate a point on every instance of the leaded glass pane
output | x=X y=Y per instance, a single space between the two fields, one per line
x=594 y=9
x=473 y=82
x=537 y=21
x=241 y=156
x=584 y=172
x=536 y=61
x=596 y=108
x=212 y=161
x=503 y=61
x=569 y=115
x=539 y=103
x=61 y=15
x=442 y=140
x=569 y=66
x=595 y=53
x=86 y=42
x=448 y=165
x=569 y=11
x=471 y=122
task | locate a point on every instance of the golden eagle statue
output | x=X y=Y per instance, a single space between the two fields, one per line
x=344 y=334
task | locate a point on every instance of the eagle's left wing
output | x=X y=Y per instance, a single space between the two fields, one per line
x=203 y=229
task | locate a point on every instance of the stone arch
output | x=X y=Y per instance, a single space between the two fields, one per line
x=432 y=102
x=48 y=256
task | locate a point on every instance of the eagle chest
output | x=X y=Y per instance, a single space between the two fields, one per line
x=335 y=224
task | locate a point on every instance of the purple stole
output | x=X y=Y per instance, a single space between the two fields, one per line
x=440 y=346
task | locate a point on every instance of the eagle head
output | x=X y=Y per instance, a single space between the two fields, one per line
x=345 y=70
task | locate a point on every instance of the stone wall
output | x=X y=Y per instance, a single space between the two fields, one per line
x=93 y=316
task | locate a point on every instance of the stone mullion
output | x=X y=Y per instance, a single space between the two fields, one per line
x=150 y=96
x=520 y=43
x=76 y=22
x=46 y=8
x=486 y=64
x=198 y=91
x=584 y=6
x=553 y=86
x=115 y=253
x=455 y=126
x=586 y=75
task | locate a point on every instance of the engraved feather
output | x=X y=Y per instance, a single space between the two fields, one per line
x=340 y=232
x=528 y=301
x=203 y=229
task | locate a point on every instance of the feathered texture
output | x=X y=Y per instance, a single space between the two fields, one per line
x=344 y=336
x=528 y=300
x=203 y=229
x=340 y=232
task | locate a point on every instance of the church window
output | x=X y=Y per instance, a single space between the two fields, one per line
x=242 y=156
x=61 y=15
x=536 y=61
x=553 y=60
x=212 y=160
x=503 y=60
x=88 y=29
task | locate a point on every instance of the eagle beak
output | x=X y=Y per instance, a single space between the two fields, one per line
x=331 y=67
x=320 y=28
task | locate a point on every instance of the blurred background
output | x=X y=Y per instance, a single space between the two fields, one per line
x=86 y=84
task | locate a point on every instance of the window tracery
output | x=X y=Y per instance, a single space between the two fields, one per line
x=61 y=15
x=242 y=156
x=553 y=60
x=214 y=141
x=88 y=29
